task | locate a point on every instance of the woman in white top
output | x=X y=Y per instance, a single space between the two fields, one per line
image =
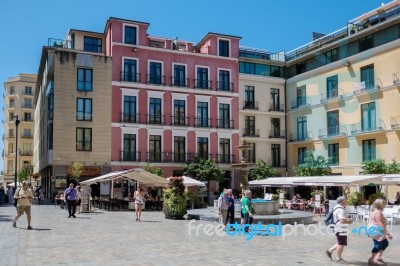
x=381 y=237
x=139 y=202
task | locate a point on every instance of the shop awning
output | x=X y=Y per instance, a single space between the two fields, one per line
x=147 y=178
x=104 y=178
x=340 y=180
x=391 y=179
x=277 y=181
x=190 y=182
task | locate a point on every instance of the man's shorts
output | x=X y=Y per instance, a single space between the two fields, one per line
x=341 y=240
x=22 y=209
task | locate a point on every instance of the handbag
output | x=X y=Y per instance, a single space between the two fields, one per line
x=16 y=200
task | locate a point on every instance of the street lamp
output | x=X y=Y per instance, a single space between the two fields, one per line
x=16 y=149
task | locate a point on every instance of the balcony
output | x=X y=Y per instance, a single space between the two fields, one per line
x=130 y=77
x=251 y=105
x=130 y=118
x=27 y=93
x=156 y=80
x=251 y=132
x=180 y=82
x=332 y=132
x=276 y=107
x=225 y=86
x=59 y=43
x=27 y=136
x=331 y=96
x=10 y=136
x=155 y=157
x=179 y=157
x=203 y=84
x=10 y=105
x=367 y=86
x=301 y=103
x=224 y=123
x=367 y=127
x=155 y=119
x=277 y=163
x=301 y=137
x=277 y=134
x=130 y=156
x=225 y=159
x=182 y=121
x=25 y=153
x=27 y=106
x=261 y=54
x=395 y=122
x=202 y=122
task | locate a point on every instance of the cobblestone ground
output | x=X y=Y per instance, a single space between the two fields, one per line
x=114 y=238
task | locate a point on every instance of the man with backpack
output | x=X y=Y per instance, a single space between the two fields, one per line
x=339 y=216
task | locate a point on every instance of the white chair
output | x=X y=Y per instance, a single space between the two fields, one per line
x=392 y=215
x=366 y=215
x=318 y=208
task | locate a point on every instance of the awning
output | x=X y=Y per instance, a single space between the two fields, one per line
x=277 y=181
x=391 y=179
x=190 y=182
x=340 y=180
x=104 y=178
x=147 y=178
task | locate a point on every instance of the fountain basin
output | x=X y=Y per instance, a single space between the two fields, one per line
x=262 y=207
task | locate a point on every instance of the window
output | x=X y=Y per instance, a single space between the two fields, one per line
x=129 y=114
x=275 y=101
x=223 y=48
x=202 y=78
x=224 y=116
x=179 y=149
x=27 y=149
x=85 y=79
x=301 y=96
x=179 y=118
x=224 y=81
x=202 y=148
x=275 y=128
x=155 y=76
x=366 y=43
x=10 y=116
x=301 y=155
x=10 y=148
x=50 y=137
x=129 y=153
x=250 y=126
x=247 y=68
x=27 y=117
x=92 y=44
x=225 y=150
x=333 y=154
x=249 y=97
x=332 y=87
x=130 y=35
x=27 y=133
x=155 y=148
x=275 y=71
x=83 y=109
x=28 y=90
x=155 y=111
x=11 y=132
x=179 y=76
x=276 y=155
x=202 y=114
x=83 y=139
x=11 y=103
x=368 y=150
x=302 y=128
x=368 y=117
x=251 y=153
x=27 y=103
x=331 y=56
x=12 y=90
x=130 y=70
x=10 y=166
x=332 y=118
x=368 y=76
x=50 y=105
x=300 y=68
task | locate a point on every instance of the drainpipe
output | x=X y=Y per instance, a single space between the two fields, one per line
x=286 y=123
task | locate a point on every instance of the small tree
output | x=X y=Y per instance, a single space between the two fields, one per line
x=152 y=169
x=262 y=171
x=76 y=170
x=313 y=166
x=373 y=167
x=393 y=168
x=174 y=206
x=25 y=172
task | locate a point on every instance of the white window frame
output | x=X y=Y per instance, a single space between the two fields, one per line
x=155 y=61
x=230 y=46
x=129 y=92
x=123 y=33
x=203 y=98
x=200 y=134
x=173 y=71
x=195 y=73
x=129 y=130
x=230 y=76
x=131 y=58
x=225 y=100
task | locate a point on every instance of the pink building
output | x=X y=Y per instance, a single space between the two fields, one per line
x=172 y=101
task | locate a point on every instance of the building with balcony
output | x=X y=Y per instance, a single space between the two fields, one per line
x=262 y=106
x=344 y=93
x=73 y=109
x=172 y=102
x=18 y=101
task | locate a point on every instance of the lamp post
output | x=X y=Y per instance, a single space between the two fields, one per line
x=16 y=149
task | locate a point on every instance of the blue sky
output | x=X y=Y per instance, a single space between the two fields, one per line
x=25 y=25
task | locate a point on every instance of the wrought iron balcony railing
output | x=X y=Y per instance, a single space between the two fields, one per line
x=331 y=132
x=130 y=118
x=225 y=86
x=367 y=126
x=202 y=122
x=203 y=84
x=301 y=102
x=395 y=122
x=367 y=86
x=251 y=132
x=276 y=107
x=301 y=136
x=156 y=80
x=130 y=77
x=225 y=158
x=224 y=123
x=130 y=156
x=180 y=82
x=156 y=119
x=277 y=163
x=280 y=134
x=180 y=121
x=252 y=105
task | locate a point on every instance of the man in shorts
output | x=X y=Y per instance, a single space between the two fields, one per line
x=24 y=197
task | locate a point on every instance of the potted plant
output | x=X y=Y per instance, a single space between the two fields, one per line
x=377 y=195
x=174 y=206
x=355 y=199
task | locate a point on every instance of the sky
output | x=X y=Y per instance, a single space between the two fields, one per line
x=283 y=25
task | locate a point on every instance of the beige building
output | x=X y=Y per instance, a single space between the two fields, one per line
x=73 y=109
x=18 y=101
x=343 y=94
x=262 y=108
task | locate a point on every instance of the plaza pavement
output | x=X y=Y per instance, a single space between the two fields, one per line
x=114 y=238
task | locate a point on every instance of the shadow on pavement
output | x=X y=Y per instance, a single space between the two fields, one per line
x=388 y=263
x=149 y=222
x=41 y=229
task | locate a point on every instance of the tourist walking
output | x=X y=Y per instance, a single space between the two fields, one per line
x=24 y=197
x=380 y=241
x=139 y=202
x=10 y=193
x=222 y=207
x=2 y=196
x=71 y=198
x=339 y=218
x=231 y=208
x=79 y=202
x=247 y=209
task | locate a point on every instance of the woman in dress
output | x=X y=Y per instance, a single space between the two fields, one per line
x=381 y=237
x=139 y=202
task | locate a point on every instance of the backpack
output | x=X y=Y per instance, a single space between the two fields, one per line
x=329 y=219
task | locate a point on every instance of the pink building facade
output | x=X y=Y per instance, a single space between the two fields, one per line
x=172 y=101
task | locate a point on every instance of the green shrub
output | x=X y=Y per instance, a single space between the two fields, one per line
x=175 y=199
x=378 y=195
x=355 y=199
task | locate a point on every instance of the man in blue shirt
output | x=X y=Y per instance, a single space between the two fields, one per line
x=230 y=200
x=71 y=198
